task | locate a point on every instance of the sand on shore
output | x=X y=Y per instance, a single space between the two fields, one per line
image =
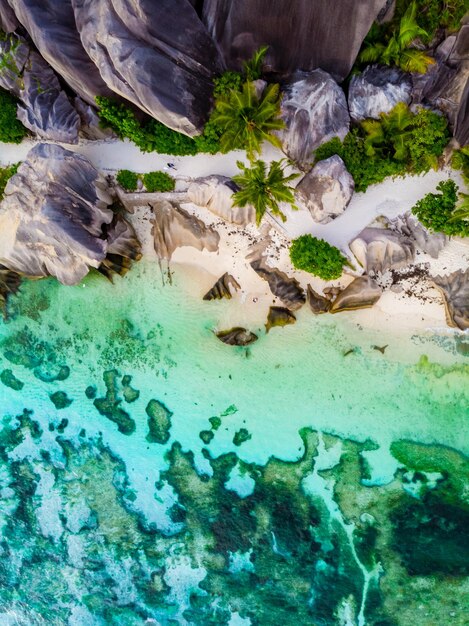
x=420 y=310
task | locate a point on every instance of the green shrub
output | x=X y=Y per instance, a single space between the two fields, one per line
x=5 y=174
x=127 y=179
x=434 y=14
x=158 y=181
x=400 y=142
x=227 y=82
x=460 y=161
x=317 y=257
x=435 y=211
x=11 y=129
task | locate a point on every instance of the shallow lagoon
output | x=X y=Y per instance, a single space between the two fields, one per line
x=224 y=485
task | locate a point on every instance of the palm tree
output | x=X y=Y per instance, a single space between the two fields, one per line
x=262 y=189
x=246 y=119
x=398 y=50
x=253 y=67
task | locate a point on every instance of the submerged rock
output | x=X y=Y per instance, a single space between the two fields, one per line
x=363 y=292
x=279 y=316
x=216 y=194
x=158 y=55
x=237 y=336
x=377 y=90
x=327 y=189
x=159 y=422
x=109 y=406
x=379 y=249
x=222 y=288
x=314 y=109
x=318 y=304
x=309 y=35
x=455 y=291
x=53 y=215
x=287 y=289
x=174 y=227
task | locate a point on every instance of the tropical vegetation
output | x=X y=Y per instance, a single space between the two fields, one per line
x=396 y=47
x=436 y=211
x=264 y=189
x=460 y=161
x=5 y=174
x=153 y=181
x=246 y=119
x=317 y=257
x=11 y=129
x=127 y=180
x=434 y=14
x=399 y=142
x=158 y=181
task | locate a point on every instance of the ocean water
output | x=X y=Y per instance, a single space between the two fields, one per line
x=152 y=475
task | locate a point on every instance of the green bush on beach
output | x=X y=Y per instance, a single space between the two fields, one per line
x=127 y=180
x=5 y=174
x=436 y=211
x=317 y=257
x=158 y=181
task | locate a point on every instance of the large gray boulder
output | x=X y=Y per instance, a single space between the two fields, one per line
x=426 y=241
x=378 y=250
x=8 y=21
x=287 y=289
x=45 y=108
x=327 y=189
x=302 y=34
x=158 y=55
x=446 y=85
x=51 y=25
x=173 y=227
x=237 y=336
x=377 y=90
x=53 y=216
x=222 y=288
x=363 y=292
x=314 y=109
x=455 y=291
x=216 y=194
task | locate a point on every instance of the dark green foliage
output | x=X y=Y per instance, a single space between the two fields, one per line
x=435 y=210
x=158 y=181
x=399 y=142
x=460 y=161
x=317 y=257
x=5 y=174
x=431 y=537
x=226 y=83
x=151 y=136
x=127 y=179
x=435 y=14
x=11 y=129
x=263 y=190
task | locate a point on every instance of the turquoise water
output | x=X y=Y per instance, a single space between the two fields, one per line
x=284 y=467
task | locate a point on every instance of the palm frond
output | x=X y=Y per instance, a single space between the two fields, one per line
x=412 y=60
x=372 y=53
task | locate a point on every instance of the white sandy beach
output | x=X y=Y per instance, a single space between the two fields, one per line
x=424 y=310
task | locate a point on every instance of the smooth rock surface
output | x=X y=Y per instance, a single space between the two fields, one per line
x=216 y=194
x=53 y=214
x=379 y=249
x=237 y=336
x=222 y=288
x=45 y=108
x=363 y=292
x=327 y=189
x=287 y=289
x=174 y=227
x=455 y=291
x=52 y=27
x=158 y=55
x=302 y=34
x=8 y=21
x=318 y=304
x=377 y=90
x=314 y=109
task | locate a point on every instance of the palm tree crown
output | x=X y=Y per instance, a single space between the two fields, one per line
x=247 y=119
x=398 y=50
x=262 y=189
